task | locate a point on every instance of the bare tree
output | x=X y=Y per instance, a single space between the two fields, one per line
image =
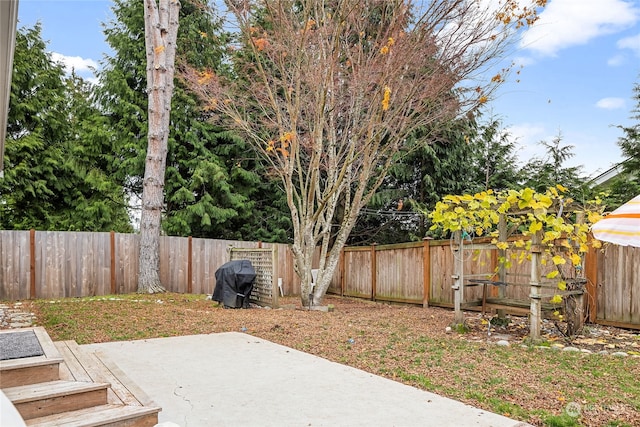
x=161 y=31
x=329 y=91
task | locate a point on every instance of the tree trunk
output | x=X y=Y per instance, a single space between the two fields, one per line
x=161 y=30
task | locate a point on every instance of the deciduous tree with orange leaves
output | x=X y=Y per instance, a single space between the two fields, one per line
x=329 y=91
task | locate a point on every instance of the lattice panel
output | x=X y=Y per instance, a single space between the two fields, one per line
x=265 y=290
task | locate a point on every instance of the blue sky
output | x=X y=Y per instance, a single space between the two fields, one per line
x=580 y=63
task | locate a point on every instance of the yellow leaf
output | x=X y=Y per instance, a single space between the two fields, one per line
x=385 y=98
x=558 y=260
x=557 y=299
x=562 y=285
x=552 y=274
x=596 y=244
x=159 y=49
x=502 y=245
x=575 y=259
x=535 y=226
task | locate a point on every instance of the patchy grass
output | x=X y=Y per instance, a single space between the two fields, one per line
x=404 y=343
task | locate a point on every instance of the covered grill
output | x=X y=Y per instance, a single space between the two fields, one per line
x=234 y=283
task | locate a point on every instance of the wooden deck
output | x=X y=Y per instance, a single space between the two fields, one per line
x=68 y=386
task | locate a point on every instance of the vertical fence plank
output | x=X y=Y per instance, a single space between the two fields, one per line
x=374 y=271
x=112 y=257
x=426 y=271
x=32 y=263
x=591 y=274
x=190 y=266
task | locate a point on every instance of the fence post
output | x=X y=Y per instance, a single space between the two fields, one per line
x=502 y=253
x=342 y=272
x=536 y=308
x=426 y=271
x=373 y=272
x=32 y=264
x=190 y=267
x=458 y=277
x=591 y=274
x=112 y=245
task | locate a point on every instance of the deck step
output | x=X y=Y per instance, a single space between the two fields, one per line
x=104 y=415
x=53 y=397
x=32 y=370
x=29 y=370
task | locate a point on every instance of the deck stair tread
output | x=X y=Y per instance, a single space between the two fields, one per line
x=28 y=362
x=104 y=415
x=49 y=390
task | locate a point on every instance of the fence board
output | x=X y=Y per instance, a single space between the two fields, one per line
x=15 y=262
x=399 y=274
x=357 y=270
x=441 y=271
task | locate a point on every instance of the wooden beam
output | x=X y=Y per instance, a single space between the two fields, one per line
x=591 y=274
x=190 y=266
x=426 y=271
x=112 y=244
x=373 y=272
x=32 y=263
x=342 y=272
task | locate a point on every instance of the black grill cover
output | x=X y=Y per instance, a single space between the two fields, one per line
x=234 y=283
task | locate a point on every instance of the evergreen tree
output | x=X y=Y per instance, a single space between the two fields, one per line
x=630 y=142
x=627 y=186
x=56 y=176
x=438 y=163
x=549 y=171
x=212 y=178
x=494 y=160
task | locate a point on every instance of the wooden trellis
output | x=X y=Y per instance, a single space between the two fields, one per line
x=264 y=261
x=573 y=300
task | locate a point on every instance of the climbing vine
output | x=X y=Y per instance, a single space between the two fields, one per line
x=563 y=225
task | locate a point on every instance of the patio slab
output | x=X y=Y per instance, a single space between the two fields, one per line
x=235 y=379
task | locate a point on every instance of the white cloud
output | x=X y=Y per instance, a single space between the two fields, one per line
x=528 y=137
x=610 y=103
x=617 y=60
x=632 y=43
x=80 y=65
x=565 y=23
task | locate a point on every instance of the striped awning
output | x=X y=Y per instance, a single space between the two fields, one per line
x=621 y=226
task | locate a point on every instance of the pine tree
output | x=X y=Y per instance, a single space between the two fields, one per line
x=57 y=177
x=437 y=163
x=212 y=179
x=494 y=161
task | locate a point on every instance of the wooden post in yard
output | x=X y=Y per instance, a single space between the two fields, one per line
x=32 y=264
x=426 y=271
x=502 y=253
x=591 y=274
x=342 y=272
x=373 y=272
x=458 y=278
x=536 y=295
x=190 y=267
x=112 y=247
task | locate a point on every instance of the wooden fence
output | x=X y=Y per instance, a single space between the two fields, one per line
x=50 y=264
x=421 y=273
x=54 y=264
